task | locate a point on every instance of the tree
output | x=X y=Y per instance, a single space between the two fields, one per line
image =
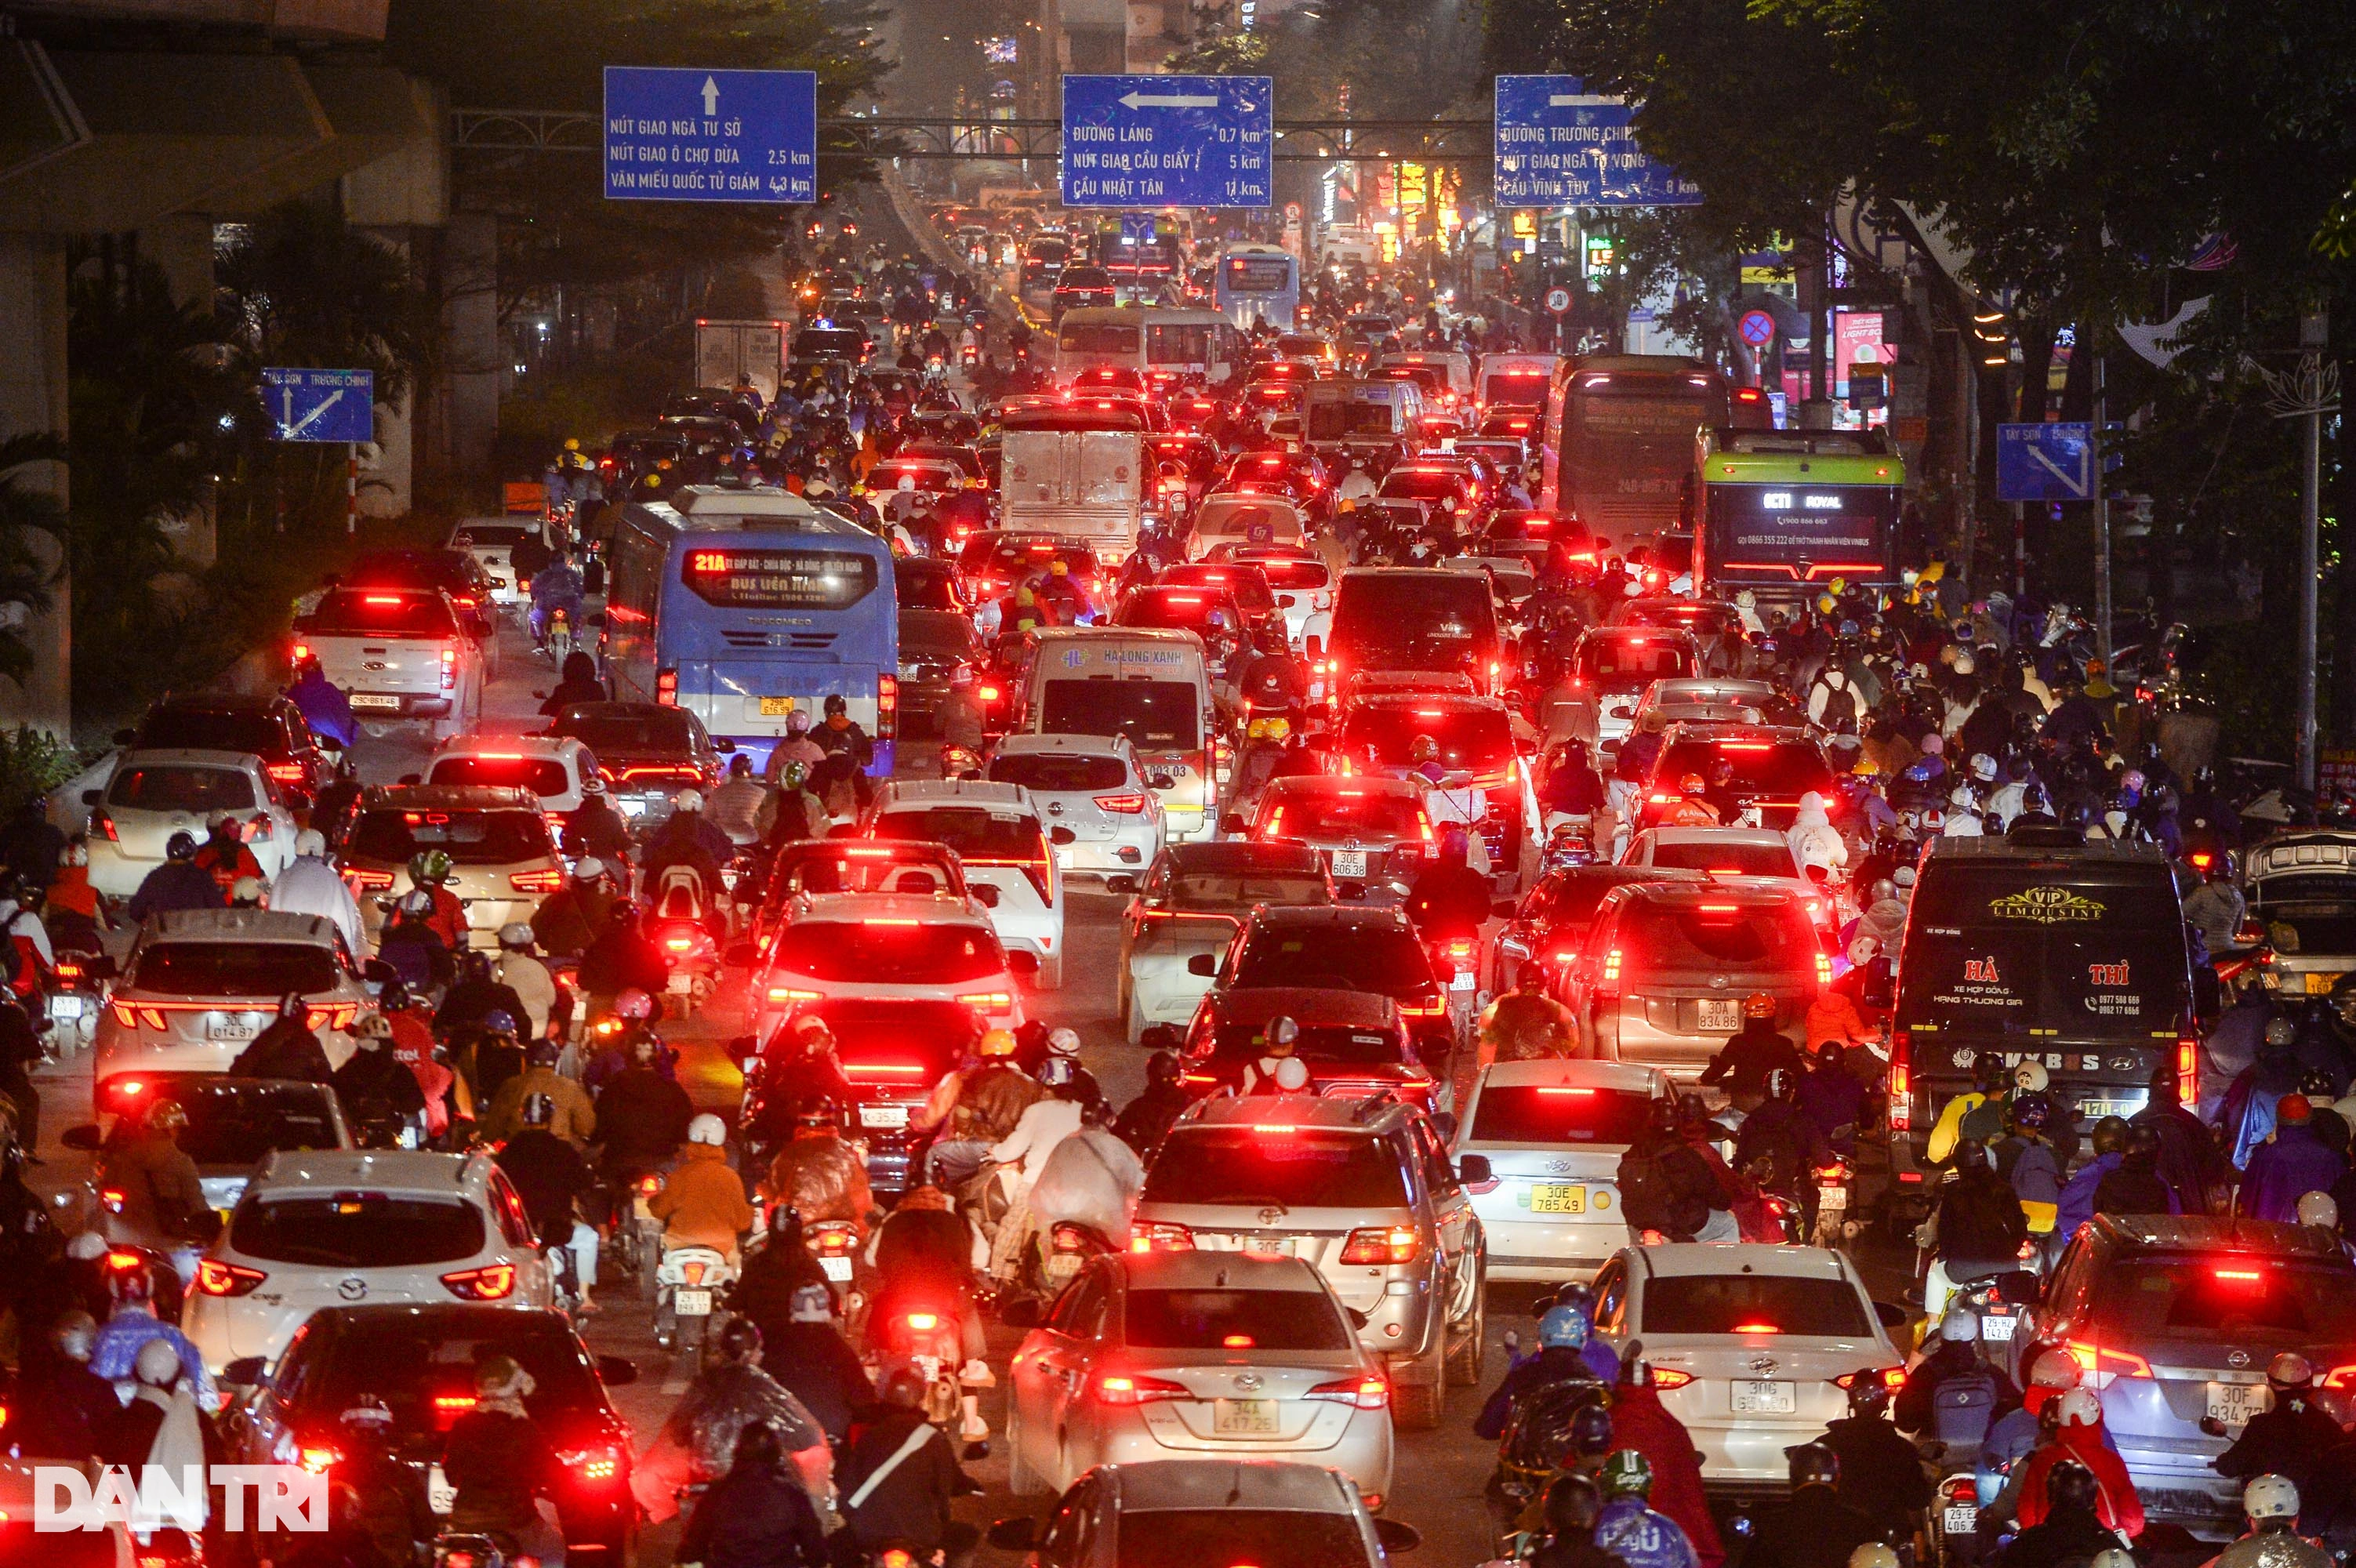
x=30 y=521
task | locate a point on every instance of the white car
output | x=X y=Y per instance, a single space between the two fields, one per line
x=199 y=984
x=556 y=768
x=1103 y=816
x=999 y=834
x=1756 y=855
x=338 y=1227
x=400 y=654
x=488 y=540
x=151 y=795
x=921 y=947
x=1193 y=900
x=1753 y=1348
x=1553 y=1133
x=1302 y=582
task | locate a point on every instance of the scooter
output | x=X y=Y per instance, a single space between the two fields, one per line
x=926 y=1340
x=688 y=1282
x=559 y=635
x=1070 y=1245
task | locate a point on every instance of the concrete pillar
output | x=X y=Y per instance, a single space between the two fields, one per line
x=387 y=486
x=33 y=400
x=471 y=354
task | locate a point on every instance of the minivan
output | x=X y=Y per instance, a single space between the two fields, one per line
x=1668 y=967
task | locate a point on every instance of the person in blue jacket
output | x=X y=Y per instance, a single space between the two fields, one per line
x=325 y=707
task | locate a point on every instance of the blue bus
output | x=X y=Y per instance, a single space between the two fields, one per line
x=744 y=605
x=1257 y=283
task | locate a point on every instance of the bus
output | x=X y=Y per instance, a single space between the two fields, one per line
x=1165 y=344
x=744 y=605
x=1620 y=432
x=1257 y=283
x=1780 y=511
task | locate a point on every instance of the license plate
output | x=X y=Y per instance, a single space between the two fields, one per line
x=374 y=700
x=233 y=1029
x=1832 y=1198
x=691 y=1303
x=2320 y=984
x=1960 y=1519
x=777 y=707
x=1750 y=817
x=882 y=1116
x=2095 y=1110
x=1266 y=1246
x=1463 y=980
x=1718 y=1015
x=1349 y=863
x=680 y=983
x=440 y=1495
x=1243 y=1418
x=835 y=1267
x=1997 y=1328
x=1754 y=1398
x=1554 y=1197
x=2234 y=1404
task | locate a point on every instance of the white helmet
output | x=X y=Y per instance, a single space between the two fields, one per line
x=311 y=841
x=2270 y=1496
x=515 y=934
x=2319 y=1208
x=688 y=800
x=2079 y=1407
x=2030 y=1078
x=1873 y=1554
x=1064 y=1043
x=1961 y=1326
x=707 y=1129
x=1292 y=1075
x=2114 y=1557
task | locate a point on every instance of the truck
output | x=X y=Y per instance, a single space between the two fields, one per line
x=726 y=350
x=1082 y=484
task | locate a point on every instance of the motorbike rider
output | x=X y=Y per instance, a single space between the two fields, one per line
x=224 y=856
x=325 y=709
x=62 y=1409
x=429 y=873
x=1280 y=1036
x=309 y=886
x=1526 y=1024
x=595 y=831
x=1752 y=1052
x=697 y=1443
x=2136 y=1188
x=1978 y=1226
x=1275 y=680
x=1562 y=1336
x=1640 y=1422
x=286 y=1048
x=848 y=751
x=819 y=1174
x=525 y=978
x=2271 y=1503
x=2070 y=1527
x=551 y=1178
x=578 y=683
x=1881 y=1473
x=1628 y=1528
x=570 y=918
x=924 y=1259
x=475 y=996
x=556 y=586
x=1778 y=1130
x=1815 y=1528
x=1573 y=1502
x=2189 y=1160
x=162 y=1201
x=501 y=1465
x=178 y=883
x=623 y=959
x=807 y=1354
x=689 y=843
x=373 y=1082
x=1449 y=898
x=1667 y=1185
x=702 y=1202
x=413 y=947
x=2289 y=1438
x=2079 y=1438
x=808 y=1071
x=1145 y=1121
x=1954 y=1395
x=899 y=1477
x=490 y=1055
x=132 y=1323
x=1091 y=1179
x=338 y=798
x=758 y=1515
x=975 y=1107
x=736 y=806
x=575 y=1118
x=642 y=1114
x=1991 y=1082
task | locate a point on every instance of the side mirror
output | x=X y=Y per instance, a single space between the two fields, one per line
x=1162 y=1038
x=1231 y=824
x=1397 y=1535
x=1205 y=964
x=245 y=1372
x=1890 y=1315
x=744 y=955
x=724 y=745
x=1061 y=836
x=1014 y=1534
x=985 y=895
x=412 y=778
x=743 y=1049
x=616 y=1371
x=1022 y=1312
x=1358 y=1320
x=1120 y=884
x=82 y=1139
x=1473 y=1170
x=1160 y=782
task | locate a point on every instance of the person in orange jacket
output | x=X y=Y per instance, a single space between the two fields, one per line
x=2080 y=1437
x=702 y=1202
x=224 y=856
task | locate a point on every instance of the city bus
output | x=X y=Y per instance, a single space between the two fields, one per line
x=1257 y=283
x=1779 y=511
x=743 y=606
x=1165 y=344
x=1618 y=444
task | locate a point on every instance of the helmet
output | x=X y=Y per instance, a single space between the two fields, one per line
x=311 y=841
x=1759 y=1004
x=1814 y=1465
x=819 y=1112
x=1869 y=1393
x=2070 y=1485
x=1162 y=1070
x=996 y=1043
x=1591 y=1431
x=1064 y=1043
x=1873 y=1554
x=2030 y=1078
x=2143 y=1143
x=1057 y=1072
x=2079 y=1407
x=812 y=1304
x=2111 y=1136
x=1960 y=1326
x=375 y=1027
x=707 y=1129
x=2055 y=1368
x=181 y=845
x=246 y=892
x=1572 y=1501
x=542 y=1052
x=1292 y=1075
x=539 y=1109
x=740 y=1339
x=1422 y=749
x=166 y=1116
x=2270 y=1496
x=515 y=934
x=1562 y=1327
x=688 y=800
x=635 y=1005
x=588 y=868
x=1281 y=1034
x=417 y=902
x=1781 y=1083
x=2289 y=1370
x=2319 y=1208
x=903 y=1388
x=794 y=774
x=1627 y=1473
x=498 y=1021
x=2114 y=1557
x=2280 y=1032
x=430 y=866
x=2032 y=1112
x=1692 y=784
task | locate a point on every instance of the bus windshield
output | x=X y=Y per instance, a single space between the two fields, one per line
x=1627 y=441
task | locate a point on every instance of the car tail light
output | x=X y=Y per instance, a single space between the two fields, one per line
x=492 y=1282
x=1891 y=1376
x=2102 y=1361
x=134 y=1015
x=887 y=706
x=217 y=1278
x=1361 y=1393
x=1159 y=1236
x=370 y=881
x=666 y=688
x=544 y=881
x=449 y=669
x=1431 y=1008
x=1824 y=969
x=1382 y=1244
x=988 y=1001
x=1612 y=967
x=781 y=996
x=1139 y=1389
x=1901 y=1115
x=1127 y=803
x=320 y=1458
x=1068 y=1239
x=105 y=824
x=1667 y=1378
x=334 y=1016
x=600 y=1466
x=286 y=772
x=2187 y=1072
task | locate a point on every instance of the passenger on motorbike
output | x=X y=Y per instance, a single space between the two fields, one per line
x=569 y=919
x=575 y=1119
x=1977 y=1229
x=1881 y=1472
x=735 y=807
x=819 y=1174
x=702 y=1202
x=286 y=1048
x=1091 y=1179
x=1752 y=1052
x=1672 y=1463
x=1954 y=1395
x=924 y=1260
x=525 y=978
x=1573 y=1503
x=697 y=1445
x=1145 y=1121
x=373 y=1083
x=1778 y=1130
x=487 y=1053
x=62 y=1409
x=1815 y=1529
x=642 y=1114
x=624 y=958
x=1562 y=1336
x=594 y=830
x=409 y=944
x=900 y=1476
x=807 y=1354
x=2080 y=1439
x=1628 y=1528
x=976 y=1106
x=759 y=1515
x=809 y=1071
x=2071 y=1524
x=163 y=1202
x=2289 y=1438
x=551 y=1178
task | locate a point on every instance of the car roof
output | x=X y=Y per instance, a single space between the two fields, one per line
x=1762 y=890
x=2015 y=848
x=1085 y=745
x=1718 y=730
x=1460 y=701
x=1243 y=855
x=240 y=926
x=1689 y=1259
x=186 y=755
x=1270 y=1485
x=449 y=798
x=1304 y=1004
x=620 y=710
x=2203 y=1233
x=942 y=908
x=373 y=1170
x=957 y=792
x=452 y=1318
x=1334 y=1112
x=1626 y=1076
x=1191 y=1270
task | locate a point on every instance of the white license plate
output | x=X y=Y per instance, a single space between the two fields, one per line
x=1349 y=863
x=882 y=1116
x=440 y=1495
x=835 y=1266
x=375 y=700
x=1960 y=1519
x=233 y=1029
x=1266 y=1246
x=1243 y=1418
x=681 y=983
x=1830 y=1197
x=1463 y=980
x=2234 y=1404
x=1718 y=1015
x=1756 y=1398
x=1996 y=1328
x=691 y=1303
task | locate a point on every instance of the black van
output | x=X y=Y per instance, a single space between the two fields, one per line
x=2072 y=955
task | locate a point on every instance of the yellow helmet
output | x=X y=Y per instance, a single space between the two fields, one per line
x=1280 y=729
x=1865 y=768
x=1825 y=603
x=1255 y=730
x=1838 y=584
x=573 y=443
x=997 y=1043
x=1934 y=573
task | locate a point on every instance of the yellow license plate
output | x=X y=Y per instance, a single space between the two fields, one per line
x=777 y=707
x=2320 y=984
x=1554 y=1197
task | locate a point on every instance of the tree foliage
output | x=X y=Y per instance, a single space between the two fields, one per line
x=30 y=519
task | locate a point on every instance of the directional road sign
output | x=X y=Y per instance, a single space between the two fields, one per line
x=675 y=135
x=2045 y=462
x=1168 y=141
x=1137 y=228
x=319 y=405
x=1559 y=146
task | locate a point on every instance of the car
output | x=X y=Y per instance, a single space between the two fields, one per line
x=1449 y=489
x=1668 y=967
x=1001 y=838
x=1080 y=288
x=455 y=571
x=419 y=1361
x=1302 y=582
x=27 y=1483
x=1353 y=1042
x=232 y=1124
x=400 y=653
x=1246 y=583
x=503 y=855
x=1360 y=1190
x=930 y=584
x=1298 y=476
x=995 y=559
x=1104 y=818
x=1174 y=1513
x=1340 y=947
x=1486 y=783
x=963 y=457
x=1725 y=700
x=906 y=946
x=269 y=727
x=649 y=752
x=858 y=866
x=1153 y=606
x=935 y=644
x=1371 y=830
x=2174 y=1321
x=1614 y=663
x=1549 y=926
x=1192 y=901
x=1771 y=769
x=1715 y=625
x=198 y=985
x=1756 y=856
x=556 y=768
x=1226 y=518
x=1749 y=1346
x=1553 y=1132
x=330 y=1228
x=151 y=795
x=1205 y=1355
x=489 y=540
x=2303 y=881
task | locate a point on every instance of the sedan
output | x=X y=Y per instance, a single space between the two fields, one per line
x=1194 y=1355
x=1180 y=1513
x=153 y=794
x=1370 y=830
x=1553 y=1133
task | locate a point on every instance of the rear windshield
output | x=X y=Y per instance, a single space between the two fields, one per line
x=1625 y=663
x=1294 y=1168
x=1658 y=936
x=1439 y=622
x=1233 y=1320
x=427 y=1378
x=1732 y=857
x=1174 y=609
x=1240 y=891
x=1337 y=958
x=1056 y=771
x=843 y=869
x=1317 y=1043
x=1424 y=485
x=976 y=833
x=1270 y=1538
x=200 y=792
x=542 y=775
x=819 y=343
x=1558 y=1113
x=470 y=838
x=1754 y=1304
x=1469 y=737
x=1248 y=586
x=1570 y=897
x=636 y=734
x=989 y=554
x=1285 y=574
x=1332 y=419
x=234 y=969
x=215 y=731
x=1786 y=768
x=2223 y=1297
x=1524 y=389
x=232 y=1124
x=357 y=1230
x=1152 y=716
x=363 y=612
x=940 y=634
x=888 y=952
x=1341 y=813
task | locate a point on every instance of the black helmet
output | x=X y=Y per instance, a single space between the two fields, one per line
x=903 y=1388
x=542 y=1052
x=758 y=1447
x=1665 y=1117
x=1591 y=1431
x=740 y=1341
x=1573 y=1502
x=1990 y=1075
x=1783 y=1083
x=1814 y=1465
x=181 y=845
x=538 y=1110
x=1693 y=1107
x=2070 y=1485
x=819 y=1112
x=2111 y=1136
x=1578 y=1294
x=393 y=998
x=1971 y=1152
x=1163 y=1068
x=1868 y=1394
x=2143 y=1142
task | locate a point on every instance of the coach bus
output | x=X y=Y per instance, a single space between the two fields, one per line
x=1257 y=283
x=1619 y=442
x=744 y=606
x=1165 y=344
x=1779 y=511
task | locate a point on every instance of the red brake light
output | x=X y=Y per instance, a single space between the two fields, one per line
x=924 y=1322
x=1665 y=1379
x=1127 y=803
x=1381 y=1244
x=1140 y=1389
x=1757 y=1328
x=1900 y=1115
x=547 y=881
x=2101 y=1358
x=1362 y=1393
x=2187 y=1073
x=492 y=1282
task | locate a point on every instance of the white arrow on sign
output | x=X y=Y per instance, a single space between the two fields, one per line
x=311 y=418
x=711 y=96
x=1577 y=101
x=2076 y=484
x=1167 y=100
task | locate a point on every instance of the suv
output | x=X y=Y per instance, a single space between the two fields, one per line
x=270 y=727
x=1772 y=769
x=198 y=986
x=2175 y=1320
x=1192 y=901
x=555 y=767
x=1361 y=1188
x=996 y=831
x=1351 y=1042
x=503 y=856
x=1335 y=948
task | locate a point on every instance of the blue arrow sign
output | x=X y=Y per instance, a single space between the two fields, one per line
x=710 y=135
x=2045 y=462
x=1137 y=228
x=1168 y=141
x=1559 y=146
x=319 y=405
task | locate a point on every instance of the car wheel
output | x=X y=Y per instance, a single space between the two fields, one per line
x=1050 y=974
x=1416 y=1407
x=1132 y=1016
x=1021 y=1480
x=1464 y=1360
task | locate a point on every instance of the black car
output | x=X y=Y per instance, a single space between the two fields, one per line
x=419 y=1361
x=1333 y=949
x=648 y=752
x=934 y=645
x=893 y=1052
x=270 y=727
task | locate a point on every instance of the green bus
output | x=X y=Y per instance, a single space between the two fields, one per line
x=1782 y=511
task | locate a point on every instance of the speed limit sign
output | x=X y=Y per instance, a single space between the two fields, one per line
x=1558 y=300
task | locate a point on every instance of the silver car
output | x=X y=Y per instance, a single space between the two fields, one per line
x=1102 y=813
x=1167 y=1354
x=1192 y=1511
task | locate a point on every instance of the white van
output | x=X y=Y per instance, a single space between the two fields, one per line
x=1360 y=415
x=1456 y=367
x=1516 y=380
x=1150 y=687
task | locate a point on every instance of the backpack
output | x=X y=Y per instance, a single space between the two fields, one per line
x=1962 y=1408
x=1651 y=1197
x=1840 y=702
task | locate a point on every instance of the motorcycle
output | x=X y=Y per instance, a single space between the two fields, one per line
x=959 y=761
x=927 y=1340
x=681 y=924
x=1456 y=964
x=73 y=999
x=1833 y=1224
x=1071 y=1243
x=1569 y=843
x=687 y=1284
x=558 y=640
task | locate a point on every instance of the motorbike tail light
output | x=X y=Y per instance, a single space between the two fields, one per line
x=300 y=651
x=2187 y=1072
x=1159 y=1236
x=217 y=1278
x=1460 y=950
x=1382 y=1244
x=1138 y=1390
x=449 y=669
x=544 y=881
x=923 y=1322
x=833 y=1240
x=492 y=1282
x=694 y=1271
x=1127 y=803
x=1902 y=1081
x=1361 y=1393
x=320 y=1458
x=1667 y=1378
x=110 y=1199
x=1068 y=1239
x=370 y=881
x=650 y=1184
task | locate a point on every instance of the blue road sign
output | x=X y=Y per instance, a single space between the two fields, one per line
x=319 y=405
x=675 y=134
x=1169 y=140
x=1137 y=228
x=1559 y=146
x=2045 y=462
